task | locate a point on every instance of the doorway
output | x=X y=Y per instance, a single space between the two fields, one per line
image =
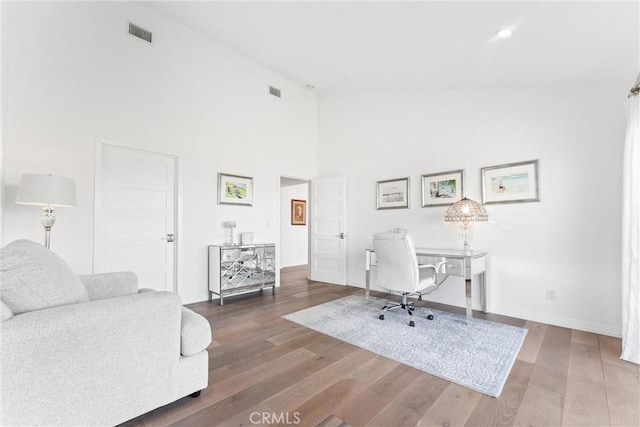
x=294 y=229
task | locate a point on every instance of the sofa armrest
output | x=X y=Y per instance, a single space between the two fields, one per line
x=78 y=356
x=195 y=333
x=110 y=285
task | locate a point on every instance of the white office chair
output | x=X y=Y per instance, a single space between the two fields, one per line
x=398 y=270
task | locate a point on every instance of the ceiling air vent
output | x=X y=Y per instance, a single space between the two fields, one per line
x=140 y=32
x=274 y=91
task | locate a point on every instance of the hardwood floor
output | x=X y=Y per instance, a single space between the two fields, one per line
x=266 y=370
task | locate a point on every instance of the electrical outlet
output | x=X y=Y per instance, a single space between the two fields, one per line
x=551 y=294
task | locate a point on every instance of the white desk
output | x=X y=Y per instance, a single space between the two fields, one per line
x=472 y=267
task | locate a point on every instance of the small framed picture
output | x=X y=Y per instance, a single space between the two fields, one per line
x=511 y=183
x=442 y=189
x=298 y=212
x=235 y=190
x=393 y=194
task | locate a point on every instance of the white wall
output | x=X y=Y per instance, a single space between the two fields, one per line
x=72 y=74
x=294 y=239
x=570 y=241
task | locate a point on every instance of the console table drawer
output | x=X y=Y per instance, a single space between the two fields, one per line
x=455 y=267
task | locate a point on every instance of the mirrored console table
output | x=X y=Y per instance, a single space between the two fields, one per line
x=235 y=269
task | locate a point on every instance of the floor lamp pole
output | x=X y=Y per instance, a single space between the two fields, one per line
x=48 y=219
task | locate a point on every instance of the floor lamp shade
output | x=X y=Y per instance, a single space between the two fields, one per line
x=48 y=191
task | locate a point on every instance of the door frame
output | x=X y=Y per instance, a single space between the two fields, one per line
x=279 y=239
x=97 y=203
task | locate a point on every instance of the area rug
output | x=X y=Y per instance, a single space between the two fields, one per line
x=478 y=355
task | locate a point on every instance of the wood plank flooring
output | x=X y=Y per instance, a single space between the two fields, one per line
x=265 y=370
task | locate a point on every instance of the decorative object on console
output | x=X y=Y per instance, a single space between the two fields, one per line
x=235 y=189
x=393 y=194
x=49 y=191
x=230 y=225
x=442 y=189
x=511 y=183
x=246 y=238
x=298 y=212
x=466 y=211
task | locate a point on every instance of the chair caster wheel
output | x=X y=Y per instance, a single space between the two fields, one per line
x=381 y=317
x=430 y=317
x=412 y=323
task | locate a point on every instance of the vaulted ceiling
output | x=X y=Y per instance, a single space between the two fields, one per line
x=341 y=46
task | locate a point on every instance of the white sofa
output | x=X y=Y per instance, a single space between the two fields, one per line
x=90 y=350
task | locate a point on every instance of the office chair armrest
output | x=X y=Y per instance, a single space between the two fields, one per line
x=435 y=269
x=440 y=264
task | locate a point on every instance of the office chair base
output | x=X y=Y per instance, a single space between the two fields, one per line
x=408 y=306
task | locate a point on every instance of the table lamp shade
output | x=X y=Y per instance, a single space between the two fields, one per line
x=46 y=190
x=466 y=211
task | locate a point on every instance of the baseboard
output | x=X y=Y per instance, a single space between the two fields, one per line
x=566 y=322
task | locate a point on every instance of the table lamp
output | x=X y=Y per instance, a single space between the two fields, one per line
x=48 y=191
x=466 y=211
x=230 y=225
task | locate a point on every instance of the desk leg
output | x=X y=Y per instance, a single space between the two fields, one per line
x=366 y=282
x=467 y=288
x=367 y=272
x=483 y=291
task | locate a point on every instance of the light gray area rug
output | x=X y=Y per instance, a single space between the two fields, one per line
x=478 y=355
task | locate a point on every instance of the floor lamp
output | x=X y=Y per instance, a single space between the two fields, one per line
x=48 y=191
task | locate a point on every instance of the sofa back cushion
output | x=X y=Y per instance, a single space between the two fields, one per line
x=32 y=278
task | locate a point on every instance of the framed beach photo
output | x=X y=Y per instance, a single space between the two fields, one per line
x=511 y=183
x=442 y=189
x=298 y=212
x=235 y=190
x=392 y=194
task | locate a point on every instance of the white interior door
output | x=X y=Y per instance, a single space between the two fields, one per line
x=135 y=215
x=328 y=219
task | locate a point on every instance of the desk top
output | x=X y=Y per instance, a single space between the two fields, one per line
x=451 y=253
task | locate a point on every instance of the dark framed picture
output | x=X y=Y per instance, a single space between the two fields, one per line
x=298 y=212
x=392 y=194
x=511 y=183
x=442 y=189
x=235 y=189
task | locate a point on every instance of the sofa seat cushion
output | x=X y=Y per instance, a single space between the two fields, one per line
x=32 y=278
x=195 y=333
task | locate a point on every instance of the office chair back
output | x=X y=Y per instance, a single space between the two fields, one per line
x=397 y=262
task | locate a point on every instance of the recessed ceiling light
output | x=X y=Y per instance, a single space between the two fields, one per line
x=504 y=33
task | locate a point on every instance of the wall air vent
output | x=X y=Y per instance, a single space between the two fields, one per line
x=140 y=32
x=274 y=91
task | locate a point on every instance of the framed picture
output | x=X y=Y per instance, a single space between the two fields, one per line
x=442 y=189
x=298 y=212
x=511 y=183
x=235 y=190
x=393 y=194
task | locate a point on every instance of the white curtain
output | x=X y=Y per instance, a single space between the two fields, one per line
x=631 y=234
